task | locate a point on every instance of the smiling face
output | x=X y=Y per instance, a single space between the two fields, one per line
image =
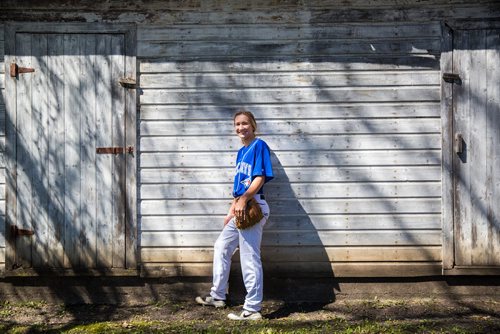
x=244 y=129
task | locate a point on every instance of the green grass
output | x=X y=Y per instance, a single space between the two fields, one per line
x=336 y=326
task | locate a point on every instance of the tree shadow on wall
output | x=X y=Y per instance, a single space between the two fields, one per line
x=297 y=266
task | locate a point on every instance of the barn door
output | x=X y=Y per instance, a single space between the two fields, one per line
x=69 y=153
x=476 y=158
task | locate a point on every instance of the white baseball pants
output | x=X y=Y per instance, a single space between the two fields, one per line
x=248 y=240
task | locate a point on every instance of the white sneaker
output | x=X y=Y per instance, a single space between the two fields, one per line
x=245 y=315
x=210 y=301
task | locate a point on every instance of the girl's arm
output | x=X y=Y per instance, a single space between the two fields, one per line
x=239 y=206
x=230 y=213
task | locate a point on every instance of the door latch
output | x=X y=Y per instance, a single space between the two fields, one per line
x=452 y=78
x=15 y=70
x=115 y=150
x=459 y=143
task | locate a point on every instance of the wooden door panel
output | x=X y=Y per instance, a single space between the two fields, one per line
x=69 y=195
x=476 y=118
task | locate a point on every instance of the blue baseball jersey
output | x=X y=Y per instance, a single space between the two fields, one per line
x=251 y=161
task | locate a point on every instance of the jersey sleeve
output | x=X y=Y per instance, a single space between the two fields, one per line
x=262 y=163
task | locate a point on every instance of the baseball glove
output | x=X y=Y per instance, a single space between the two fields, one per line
x=253 y=215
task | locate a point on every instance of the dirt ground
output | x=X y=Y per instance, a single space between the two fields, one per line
x=411 y=315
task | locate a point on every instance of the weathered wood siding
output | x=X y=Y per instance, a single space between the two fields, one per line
x=351 y=112
x=348 y=102
x=2 y=148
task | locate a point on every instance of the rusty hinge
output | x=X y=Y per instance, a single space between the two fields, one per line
x=115 y=150
x=16 y=231
x=15 y=70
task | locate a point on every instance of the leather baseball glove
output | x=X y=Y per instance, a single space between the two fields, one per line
x=253 y=215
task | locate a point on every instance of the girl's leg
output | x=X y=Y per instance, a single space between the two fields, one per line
x=251 y=264
x=224 y=248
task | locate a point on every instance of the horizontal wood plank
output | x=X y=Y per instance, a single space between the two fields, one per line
x=297 y=206
x=301 y=142
x=302 y=254
x=296 y=127
x=276 y=48
x=285 y=32
x=291 y=95
x=308 y=222
x=296 y=159
x=300 y=238
x=163 y=64
x=300 y=190
x=304 y=269
x=293 y=111
x=303 y=79
x=294 y=174
x=243 y=6
x=366 y=12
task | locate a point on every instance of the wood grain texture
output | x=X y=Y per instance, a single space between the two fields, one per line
x=476 y=107
x=277 y=48
x=303 y=269
x=302 y=254
x=294 y=174
x=293 y=111
x=291 y=95
x=165 y=64
x=447 y=149
x=58 y=122
x=305 y=221
x=492 y=234
x=351 y=112
x=286 y=32
x=23 y=217
x=297 y=206
x=308 y=190
x=300 y=238
x=311 y=158
x=10 y=156
x=301 y=79
x=297 y=128
x=40 y=152
x=250 y=12
x=2 y=139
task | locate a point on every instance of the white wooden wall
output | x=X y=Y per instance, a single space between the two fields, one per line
x=2 y=148
x=352 y=114
x=347 y=95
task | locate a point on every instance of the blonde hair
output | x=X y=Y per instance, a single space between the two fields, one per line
x=248 y=114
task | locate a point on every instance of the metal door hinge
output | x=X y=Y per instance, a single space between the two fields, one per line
x=15 y=70
x=16 y=231
x=127 y=82
x=115 y=150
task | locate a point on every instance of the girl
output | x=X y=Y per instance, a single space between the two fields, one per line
x=253 y=170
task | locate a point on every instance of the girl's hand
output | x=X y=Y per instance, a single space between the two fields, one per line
x=239 y=208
